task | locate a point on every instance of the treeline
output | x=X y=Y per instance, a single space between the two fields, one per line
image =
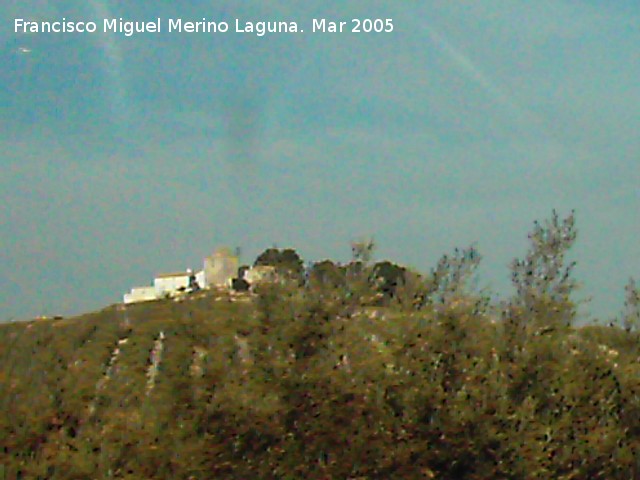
x=338 y=371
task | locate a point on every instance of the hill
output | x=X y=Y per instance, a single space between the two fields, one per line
x=301 y=385
x=342 y=376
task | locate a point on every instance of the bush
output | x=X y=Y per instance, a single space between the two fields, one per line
x=318 y=381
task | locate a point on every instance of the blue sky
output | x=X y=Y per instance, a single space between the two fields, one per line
x=125 y=157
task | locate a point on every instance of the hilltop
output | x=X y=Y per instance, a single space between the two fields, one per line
x=344 y=374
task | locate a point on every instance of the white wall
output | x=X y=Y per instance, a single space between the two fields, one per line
x=200 y=278
x=261 y=273
x=170 y=284
x=140 y=294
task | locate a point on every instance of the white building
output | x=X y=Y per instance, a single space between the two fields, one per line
x=168 y=284
x=200 y=279
x=140 y=294
x=219 y=269
x=165 y=285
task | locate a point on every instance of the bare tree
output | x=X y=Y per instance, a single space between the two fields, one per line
x=631 y=315
x=542 y=279
x=362 y=250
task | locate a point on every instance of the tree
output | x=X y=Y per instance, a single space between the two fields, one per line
x=388 y=277
x=287 y=262
x=240 y=285
x=326 y=273
x=631 y=315
x=543 y=283
x=362 y=250
x=452 y=274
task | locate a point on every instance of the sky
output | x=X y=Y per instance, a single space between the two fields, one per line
x=124 y=157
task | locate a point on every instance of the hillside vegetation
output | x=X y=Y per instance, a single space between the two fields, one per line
x=348 y=372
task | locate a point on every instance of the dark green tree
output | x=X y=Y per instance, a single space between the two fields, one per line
x=387 y=277
x=327 y=273
x=286 y=261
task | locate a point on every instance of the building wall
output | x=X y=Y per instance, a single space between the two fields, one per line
x=169 y=284
x=261 y=273
x=220 y=268
x=140 y=294
x=200 y=279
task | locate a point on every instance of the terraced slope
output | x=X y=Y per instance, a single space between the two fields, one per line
x=68 y=386
x=298 y=383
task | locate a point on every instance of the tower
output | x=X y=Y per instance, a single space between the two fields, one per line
x=220 y=267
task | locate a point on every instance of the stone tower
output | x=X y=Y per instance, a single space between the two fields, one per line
x=220 y=268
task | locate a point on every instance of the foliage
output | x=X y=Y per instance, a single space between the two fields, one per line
x=541 y=278
x=388 y=277
x=239 y=285
x=327 y=273
x=286 y=261
x=318 y=381
x=631 y=315
x=452 y=274
x=362 y=250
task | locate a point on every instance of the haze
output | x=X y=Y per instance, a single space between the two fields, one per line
x=123 y=157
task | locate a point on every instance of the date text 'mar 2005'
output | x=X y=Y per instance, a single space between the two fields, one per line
x=366 y=25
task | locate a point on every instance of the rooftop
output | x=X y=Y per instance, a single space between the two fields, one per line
x=176 y=274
